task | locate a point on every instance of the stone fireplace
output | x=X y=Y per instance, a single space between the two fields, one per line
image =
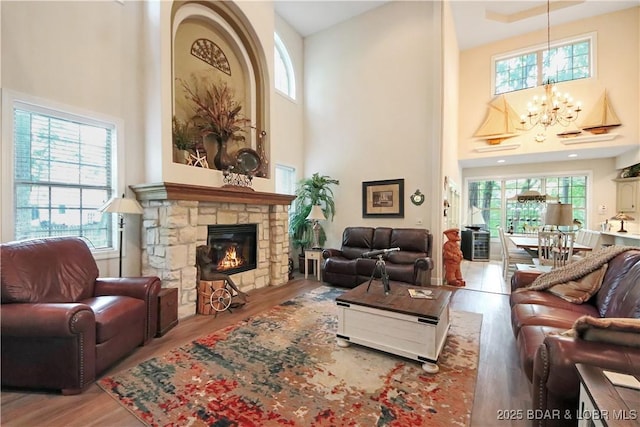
x=177 y=219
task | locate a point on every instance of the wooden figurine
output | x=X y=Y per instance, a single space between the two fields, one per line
x=452 y=256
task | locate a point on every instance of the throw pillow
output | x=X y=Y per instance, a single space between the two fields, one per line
x=579 y=291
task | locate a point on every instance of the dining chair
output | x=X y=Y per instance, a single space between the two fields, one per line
x=555 y=248
x=511 y=255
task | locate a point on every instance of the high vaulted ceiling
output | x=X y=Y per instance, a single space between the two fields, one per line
x=477 y=22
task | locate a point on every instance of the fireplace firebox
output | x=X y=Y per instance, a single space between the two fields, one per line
x=233 y=248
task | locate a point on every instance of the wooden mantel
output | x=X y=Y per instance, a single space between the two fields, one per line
x=199 y=193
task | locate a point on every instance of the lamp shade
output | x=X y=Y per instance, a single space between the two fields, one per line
x=621 y=216
x=316 y=213
x=559 y=214
x=122 y=205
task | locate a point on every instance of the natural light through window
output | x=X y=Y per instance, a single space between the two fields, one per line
x=569 y=60
x=493 y=203
x=62 y=173
x=284 y=77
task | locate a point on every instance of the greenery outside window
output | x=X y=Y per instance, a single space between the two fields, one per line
x=492 y=203
x=63 y=171
x=568 y=60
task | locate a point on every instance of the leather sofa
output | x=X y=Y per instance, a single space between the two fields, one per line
x=411 y=264
x=548 y=352
x=61 y=325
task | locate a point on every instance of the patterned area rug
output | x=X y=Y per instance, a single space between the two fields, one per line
x=283 y=367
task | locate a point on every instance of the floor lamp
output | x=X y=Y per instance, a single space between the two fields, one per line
x=121 y=206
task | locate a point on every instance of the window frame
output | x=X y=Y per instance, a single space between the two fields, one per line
x=12 y=99
x=280 y=49
x=542 y=178
x=539 y=51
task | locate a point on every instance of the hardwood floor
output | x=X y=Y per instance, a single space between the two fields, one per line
x=501 y=385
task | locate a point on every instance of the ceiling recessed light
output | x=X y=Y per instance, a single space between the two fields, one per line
x=501 y=161
x=573 y=155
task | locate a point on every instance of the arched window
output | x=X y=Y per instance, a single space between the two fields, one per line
x=284 y=78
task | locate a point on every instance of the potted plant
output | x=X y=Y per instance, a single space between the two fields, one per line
x=310 y=191
x=217 y=114
x=183 y=134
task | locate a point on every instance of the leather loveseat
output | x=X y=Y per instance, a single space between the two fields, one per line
x=61 y=324
x=545 y=324
x=411 y=264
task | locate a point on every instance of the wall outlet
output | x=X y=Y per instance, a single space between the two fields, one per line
x=602 y=209
x=419 y=221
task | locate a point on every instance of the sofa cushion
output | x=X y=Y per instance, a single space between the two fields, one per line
x=411 y=240
x=625 y=302
x=381 y=238
x=405 y=257
x=401 y=272
x=580 y=290
x=534 y=314
x=357 y=237
x=341 y=265
x=58 y=269
x=542 y=298
x=618 y=268
x=115 y=314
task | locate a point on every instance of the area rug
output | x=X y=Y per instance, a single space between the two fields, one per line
x=283 y=368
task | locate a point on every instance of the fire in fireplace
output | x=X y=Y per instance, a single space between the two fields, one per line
x=233 y=248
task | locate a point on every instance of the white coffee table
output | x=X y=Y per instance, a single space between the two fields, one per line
x=396 y=323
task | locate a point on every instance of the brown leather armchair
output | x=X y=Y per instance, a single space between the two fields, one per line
x=61 y=325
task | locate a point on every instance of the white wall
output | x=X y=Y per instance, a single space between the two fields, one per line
x=617 y=51
x=85 y=55
x=373 y=111
x=450 y=77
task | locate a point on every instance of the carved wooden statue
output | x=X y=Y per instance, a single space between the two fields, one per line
x=452 y=256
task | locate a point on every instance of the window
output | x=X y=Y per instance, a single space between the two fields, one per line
x=284 y=78
x=285 y=179
x=63 y=171
x=492 y=203
x=569 y=60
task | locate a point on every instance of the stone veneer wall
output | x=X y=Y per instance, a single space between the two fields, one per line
x=173 y=228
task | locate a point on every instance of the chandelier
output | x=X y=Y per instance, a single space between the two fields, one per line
x=553 y=107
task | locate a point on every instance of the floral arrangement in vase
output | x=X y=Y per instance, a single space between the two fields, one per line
x=217 y=114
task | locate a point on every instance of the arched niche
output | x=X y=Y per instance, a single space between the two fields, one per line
x=215 y=41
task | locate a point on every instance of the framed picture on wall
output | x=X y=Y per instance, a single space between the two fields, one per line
x=383 y=199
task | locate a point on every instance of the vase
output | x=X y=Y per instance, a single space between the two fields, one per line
x=222 y=160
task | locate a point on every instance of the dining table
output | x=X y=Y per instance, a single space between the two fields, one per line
x=530 y=243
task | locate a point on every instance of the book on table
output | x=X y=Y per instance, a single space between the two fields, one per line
x=421 y=293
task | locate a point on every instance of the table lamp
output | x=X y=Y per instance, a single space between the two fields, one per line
x=316 y=215
x=559 y=214
x=121 y=205
x=622 y=217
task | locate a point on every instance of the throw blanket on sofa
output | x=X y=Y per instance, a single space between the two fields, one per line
x=575 y=272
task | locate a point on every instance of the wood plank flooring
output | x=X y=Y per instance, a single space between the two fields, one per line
x=501 y=385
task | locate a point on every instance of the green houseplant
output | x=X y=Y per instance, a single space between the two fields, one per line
x=183 y=135
x=315 y=190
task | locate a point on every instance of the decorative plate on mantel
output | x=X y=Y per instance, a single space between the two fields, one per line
x=248 y=161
